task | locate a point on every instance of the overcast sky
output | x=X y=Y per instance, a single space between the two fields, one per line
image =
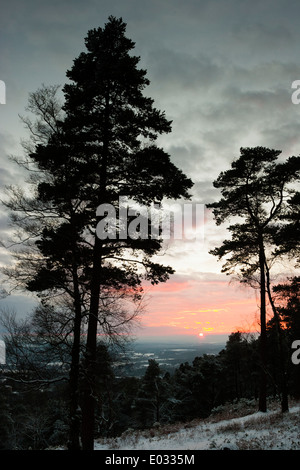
x=221 y=70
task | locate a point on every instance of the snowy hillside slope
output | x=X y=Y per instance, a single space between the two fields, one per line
x=256 y=431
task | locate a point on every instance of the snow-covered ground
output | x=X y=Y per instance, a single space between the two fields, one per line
x=257 y=431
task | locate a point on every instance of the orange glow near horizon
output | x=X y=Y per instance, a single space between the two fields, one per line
x=211 y=307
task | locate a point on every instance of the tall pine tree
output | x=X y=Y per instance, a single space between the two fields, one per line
x=105 y=150
x=254 y=190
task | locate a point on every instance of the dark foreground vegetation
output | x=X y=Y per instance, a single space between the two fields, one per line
x=35 y=417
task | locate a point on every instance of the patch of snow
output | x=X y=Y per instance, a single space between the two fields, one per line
x=258 y=431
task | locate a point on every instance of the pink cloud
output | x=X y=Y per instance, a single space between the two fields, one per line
x=192 y=306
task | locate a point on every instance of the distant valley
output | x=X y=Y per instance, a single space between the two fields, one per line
x=169 y=355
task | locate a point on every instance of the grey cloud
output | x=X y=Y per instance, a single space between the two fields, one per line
x=7 y=142
x=263 y=37
x=5 y=177
x=22 y=305
x=187 y=72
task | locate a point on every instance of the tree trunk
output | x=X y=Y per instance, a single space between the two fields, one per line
x=283 y=374
x=263 y=333
x=74 y=440
x=89 y=392
x=88 y=410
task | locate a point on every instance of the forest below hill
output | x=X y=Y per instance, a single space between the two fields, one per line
x=194 y=390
